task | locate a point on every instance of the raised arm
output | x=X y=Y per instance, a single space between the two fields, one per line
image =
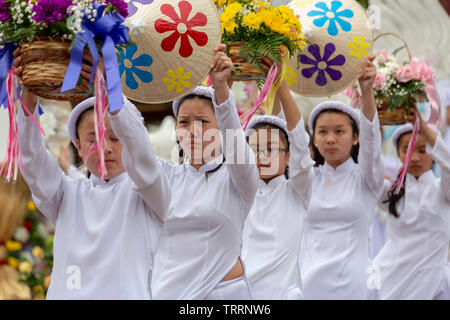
x=300 y=162
x=240 y=159
x=40 y=169
x=139 y=159
x=369 y=157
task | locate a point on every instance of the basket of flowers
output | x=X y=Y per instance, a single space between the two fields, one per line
x=61 y=42
x=397 y=87
x=253 y=28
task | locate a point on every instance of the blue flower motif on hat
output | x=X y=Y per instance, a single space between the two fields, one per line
x=129 y=66
x=333 y=16
x=322 y=64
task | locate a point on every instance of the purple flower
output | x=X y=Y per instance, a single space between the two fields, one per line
x=322 y=64
x=49 y=11
x=4 y=10
x=120 y=5
x=132 y=9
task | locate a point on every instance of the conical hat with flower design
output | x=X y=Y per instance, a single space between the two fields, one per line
x=340 y=37
x=173 y=44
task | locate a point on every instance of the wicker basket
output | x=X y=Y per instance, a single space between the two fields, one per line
x=242 y=71
x=45 y=62
x=398 y=115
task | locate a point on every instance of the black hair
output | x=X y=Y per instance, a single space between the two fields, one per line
x=354 y=152
x=80 y=118
x=180 y=150
x=284 y=138
x=392 y=197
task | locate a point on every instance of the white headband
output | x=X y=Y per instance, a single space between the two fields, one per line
x=199 y=91
x=273 y=120
x=408 y=127
x=75 y=114
x=326 y=105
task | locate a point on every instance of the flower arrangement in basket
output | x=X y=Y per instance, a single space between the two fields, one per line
x=30 y=252
x=253 y=29
x=62 y=43
x=398 y=87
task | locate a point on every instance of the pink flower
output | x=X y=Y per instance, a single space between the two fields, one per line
x=405 y=73
x=382 y=57
x=380 y=79
x=416 y=66
x=426 y=72
x=354 y=95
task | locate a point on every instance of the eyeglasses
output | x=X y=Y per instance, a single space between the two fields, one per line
x=269 y=152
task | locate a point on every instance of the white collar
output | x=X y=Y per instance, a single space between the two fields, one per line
x=97 y=181
x=272 y=183
x=425 y=177
x=208 y=166
x=343 y=167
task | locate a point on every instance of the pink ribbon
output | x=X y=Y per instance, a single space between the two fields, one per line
x=13 y=155
x=100 y=109
x=404 y=169
x=262 y=96
x=435 y=121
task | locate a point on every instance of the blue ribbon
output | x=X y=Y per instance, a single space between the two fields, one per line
x=6 y=60
x=108 y=29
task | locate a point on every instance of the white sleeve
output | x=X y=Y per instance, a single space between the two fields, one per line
x=239 y=158
x=140 y=161
x=300 y=164
x=75 y=174
x=370 y=160
x=384 y=196
x=40 y=169
x=441 y=154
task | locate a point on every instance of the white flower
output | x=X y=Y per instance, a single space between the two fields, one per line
x=137 y=26
x=21 y=234
x=48 y=123
x=27 y=256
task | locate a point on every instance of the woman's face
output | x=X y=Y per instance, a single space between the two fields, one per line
x=270 y=160
x=198 y=131
x=421 y=161
x=112 y=152
x=334 y=137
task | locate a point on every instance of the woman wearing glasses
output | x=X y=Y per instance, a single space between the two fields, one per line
x=273 y=229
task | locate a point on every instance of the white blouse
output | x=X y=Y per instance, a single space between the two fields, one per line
x=105 y=232
x=335 y=250
x=413 y=261
x=274 y=226
x=202 y=235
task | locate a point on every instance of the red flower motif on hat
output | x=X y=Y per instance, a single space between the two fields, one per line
x=182 y=28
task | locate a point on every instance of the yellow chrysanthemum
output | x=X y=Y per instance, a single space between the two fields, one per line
x=25 y=267
x=38 y=289
x=13 y=262
x=38 y=252
x=252 y=20
x=13 y=245
x=31 y=206
x=47 y=280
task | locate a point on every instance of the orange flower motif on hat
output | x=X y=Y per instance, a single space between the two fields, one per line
x=181 y=27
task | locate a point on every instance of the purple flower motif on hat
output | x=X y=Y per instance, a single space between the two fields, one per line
x=333 y=15
x=132 y=8
x=322 y=64
x=130 y=66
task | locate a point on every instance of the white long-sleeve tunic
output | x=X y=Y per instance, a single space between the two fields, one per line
x=413 y=261
x=274 y=226
x=335 y=250
x=202 y=235
x=105 y=232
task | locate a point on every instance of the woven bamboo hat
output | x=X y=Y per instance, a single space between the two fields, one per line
x=340 y=37
x=173 y=45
